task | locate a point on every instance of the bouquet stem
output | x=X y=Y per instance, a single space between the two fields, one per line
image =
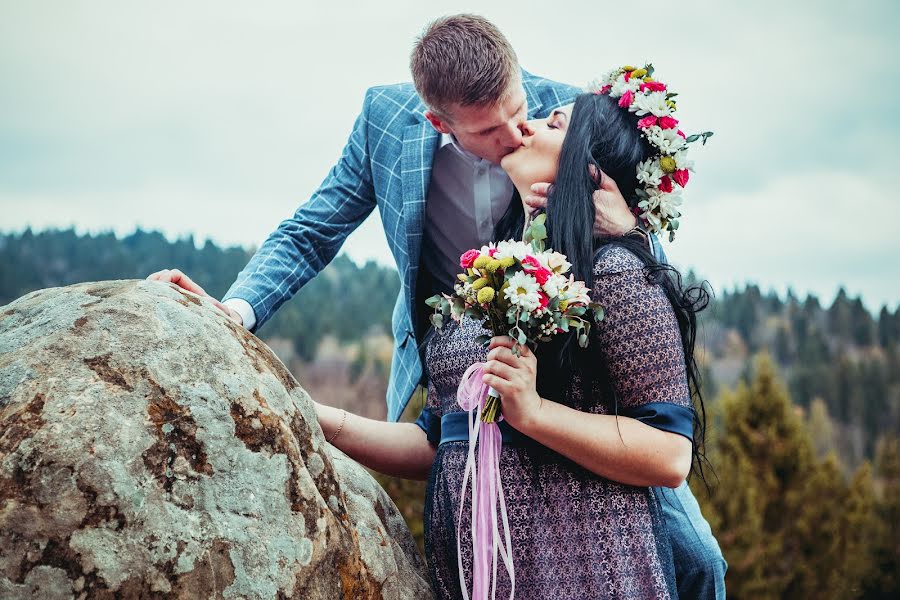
x=491 y=407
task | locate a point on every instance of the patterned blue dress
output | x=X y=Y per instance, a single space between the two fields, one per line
x=575 y=535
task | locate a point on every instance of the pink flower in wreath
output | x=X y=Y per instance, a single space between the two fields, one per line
x=648 y=121
x=653 y=86
x=626 y=99
x=668 y=122
x=681 y=177
x=665 y=184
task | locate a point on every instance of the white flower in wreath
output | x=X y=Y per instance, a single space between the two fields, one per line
x=653 y=103
x=649 y=172
x=667 y=140
x=523 y=291
x=663 y=205
x=621 y=86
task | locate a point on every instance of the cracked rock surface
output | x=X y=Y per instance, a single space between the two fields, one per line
x=151 y=448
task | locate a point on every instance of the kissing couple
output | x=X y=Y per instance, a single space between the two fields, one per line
x=594 y=479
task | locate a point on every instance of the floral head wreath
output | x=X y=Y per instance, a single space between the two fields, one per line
x=665 y=174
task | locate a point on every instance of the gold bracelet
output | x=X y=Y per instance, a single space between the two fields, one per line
x=341 y=426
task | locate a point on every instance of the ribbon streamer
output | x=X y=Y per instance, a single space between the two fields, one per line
x=487 y=490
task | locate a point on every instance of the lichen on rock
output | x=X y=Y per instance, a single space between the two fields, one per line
x=150 y=447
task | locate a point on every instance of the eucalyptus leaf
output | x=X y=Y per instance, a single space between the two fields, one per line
x=437 y=320
x=434 y=301
x=599 y=312
x=583 y=340
x=692 y=138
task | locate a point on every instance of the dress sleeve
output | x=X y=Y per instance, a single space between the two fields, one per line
x=640 y=343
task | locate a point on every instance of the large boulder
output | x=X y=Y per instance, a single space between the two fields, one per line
x=149 y=447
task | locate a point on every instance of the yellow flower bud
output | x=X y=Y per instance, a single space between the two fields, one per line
x=485 y=295
x=480 y=283
x=671 y=104
x=481 y=261
x=628 y=68
x=667 y=164
x=492 y=266
x=648 y=79
x=639 y=72
x=462 y=277
x=563 y=305
x=507 y=262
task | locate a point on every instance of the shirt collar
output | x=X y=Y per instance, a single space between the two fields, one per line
x=447 y=139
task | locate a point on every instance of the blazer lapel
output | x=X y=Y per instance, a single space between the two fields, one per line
x=419 y=144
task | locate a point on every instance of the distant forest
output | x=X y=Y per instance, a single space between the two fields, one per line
x=835 y=355
x=802 y=482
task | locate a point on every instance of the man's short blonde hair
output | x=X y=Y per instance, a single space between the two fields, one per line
x=465 y=60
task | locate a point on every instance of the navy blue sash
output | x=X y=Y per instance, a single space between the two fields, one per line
x=666 y=416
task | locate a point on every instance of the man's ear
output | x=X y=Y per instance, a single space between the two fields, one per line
x=437 y=122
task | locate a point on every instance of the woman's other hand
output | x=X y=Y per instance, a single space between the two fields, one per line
x=515 y=377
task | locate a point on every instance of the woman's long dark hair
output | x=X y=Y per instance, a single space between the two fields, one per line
x=606 y=136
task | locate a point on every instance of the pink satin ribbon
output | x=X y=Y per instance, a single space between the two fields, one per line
x=487 y=489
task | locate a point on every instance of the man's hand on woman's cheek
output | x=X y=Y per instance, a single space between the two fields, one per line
x=613 y=217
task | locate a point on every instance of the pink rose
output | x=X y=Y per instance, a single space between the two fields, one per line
x=542 y=275
x=605 y=89
x=665 y=184
x=668 y=123
x=681 y=133
x=648 y=121
x=468 y=258
x=530 y=261
x=627 y=75
x=681 y=177
x=544 y=299
x=653 y=86
x=626 y=99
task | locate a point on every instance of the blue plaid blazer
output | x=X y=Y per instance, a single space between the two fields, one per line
x=386 y=163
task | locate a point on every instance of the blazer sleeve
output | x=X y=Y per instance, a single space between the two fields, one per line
x=305 y=243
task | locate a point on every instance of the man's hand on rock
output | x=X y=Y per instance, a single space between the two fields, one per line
x=612 y=215
x=186 y=283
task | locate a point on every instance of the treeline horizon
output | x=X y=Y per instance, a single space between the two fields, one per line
x=249 y=250
x=841 y=363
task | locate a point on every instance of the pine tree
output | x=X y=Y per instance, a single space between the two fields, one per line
x=885 y=582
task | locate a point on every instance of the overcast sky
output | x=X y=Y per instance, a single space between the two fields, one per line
x=218 y=119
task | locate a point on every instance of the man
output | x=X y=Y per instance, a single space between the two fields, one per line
x=428 y=157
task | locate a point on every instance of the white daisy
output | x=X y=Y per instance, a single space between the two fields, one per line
x=651 y=103
x=621 y=86
x=649 y=172
x=667 y=140
x=517 y=250
x=523 y=291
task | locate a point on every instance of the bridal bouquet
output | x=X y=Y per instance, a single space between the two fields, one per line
x=521 y=290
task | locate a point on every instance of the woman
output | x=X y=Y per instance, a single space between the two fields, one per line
x=592 y=430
